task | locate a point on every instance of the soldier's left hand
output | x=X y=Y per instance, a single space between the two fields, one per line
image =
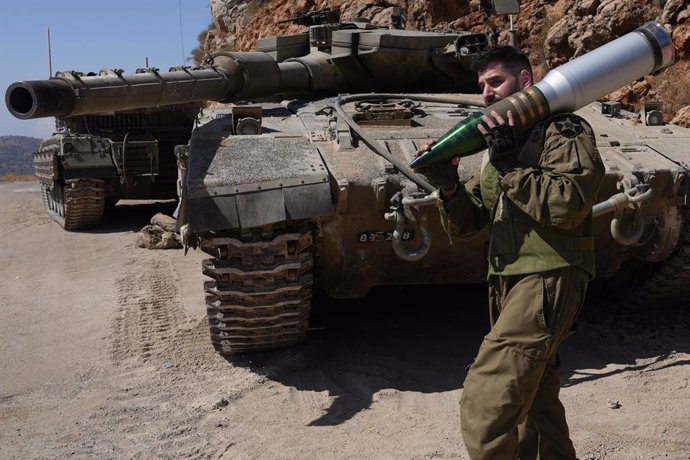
x=443 y=174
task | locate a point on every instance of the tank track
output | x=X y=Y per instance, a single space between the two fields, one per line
x=74 y=203
x=260 y=293
x=669 y=284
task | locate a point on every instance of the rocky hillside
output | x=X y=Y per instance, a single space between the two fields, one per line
x=550 y=31
x=16 y=154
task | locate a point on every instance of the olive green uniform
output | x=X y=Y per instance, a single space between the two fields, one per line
x=540 y=258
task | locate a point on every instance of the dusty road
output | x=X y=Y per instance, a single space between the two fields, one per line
x=104 y=354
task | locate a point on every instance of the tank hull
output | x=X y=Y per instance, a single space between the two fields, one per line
x=346 y=191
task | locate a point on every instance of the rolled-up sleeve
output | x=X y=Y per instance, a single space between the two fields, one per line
x=562 y=189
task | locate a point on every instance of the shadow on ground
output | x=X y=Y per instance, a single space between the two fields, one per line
x=611 y=341
x=132 y=215
x=405 y=338
x=421 y=339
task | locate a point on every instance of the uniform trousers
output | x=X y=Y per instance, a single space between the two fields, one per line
x=509 y=406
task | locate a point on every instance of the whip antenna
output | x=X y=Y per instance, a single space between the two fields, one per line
x=179 y=7
x=50 y=57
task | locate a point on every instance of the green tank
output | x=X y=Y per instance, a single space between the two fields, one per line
x=302 y=179
x=98 y=156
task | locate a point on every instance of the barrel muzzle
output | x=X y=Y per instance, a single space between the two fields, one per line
x=41 y=98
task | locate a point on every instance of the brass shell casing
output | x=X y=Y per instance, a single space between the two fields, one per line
x=528 y=106
x=566 y=88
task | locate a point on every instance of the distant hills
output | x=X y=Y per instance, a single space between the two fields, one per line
x=16 y=154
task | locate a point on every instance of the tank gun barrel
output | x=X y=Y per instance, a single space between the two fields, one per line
x=71 y=94
x=566 y=88
x=233 y=76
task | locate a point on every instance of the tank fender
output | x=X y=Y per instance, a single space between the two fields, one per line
x=249 y=181
x=247 y=210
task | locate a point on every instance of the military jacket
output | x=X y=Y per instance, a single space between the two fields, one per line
x=540 y=212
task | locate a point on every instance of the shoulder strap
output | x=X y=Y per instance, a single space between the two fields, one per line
x=531 y=151
x=530 y=154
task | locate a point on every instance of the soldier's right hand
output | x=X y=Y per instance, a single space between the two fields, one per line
x=502 y=140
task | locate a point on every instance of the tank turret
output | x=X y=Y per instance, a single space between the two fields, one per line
x=331 y=58
x=119 y=130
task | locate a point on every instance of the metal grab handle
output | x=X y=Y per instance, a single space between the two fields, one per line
x=398 y=214
x=617 y=203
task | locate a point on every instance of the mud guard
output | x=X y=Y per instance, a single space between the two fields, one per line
x=248 y=181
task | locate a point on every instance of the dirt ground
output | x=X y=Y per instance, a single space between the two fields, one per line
x=104 y=354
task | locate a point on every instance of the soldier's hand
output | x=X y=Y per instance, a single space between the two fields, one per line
x=425 y=148
x=444 y=174
x=501 y=138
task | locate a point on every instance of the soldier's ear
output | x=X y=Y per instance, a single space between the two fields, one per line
x=525 y=79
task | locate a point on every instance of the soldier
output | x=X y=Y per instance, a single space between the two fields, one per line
x=536 y=193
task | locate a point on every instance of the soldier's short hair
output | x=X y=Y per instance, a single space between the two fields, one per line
x=512 y=58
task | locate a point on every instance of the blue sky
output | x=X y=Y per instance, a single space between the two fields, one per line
x=89 y=35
